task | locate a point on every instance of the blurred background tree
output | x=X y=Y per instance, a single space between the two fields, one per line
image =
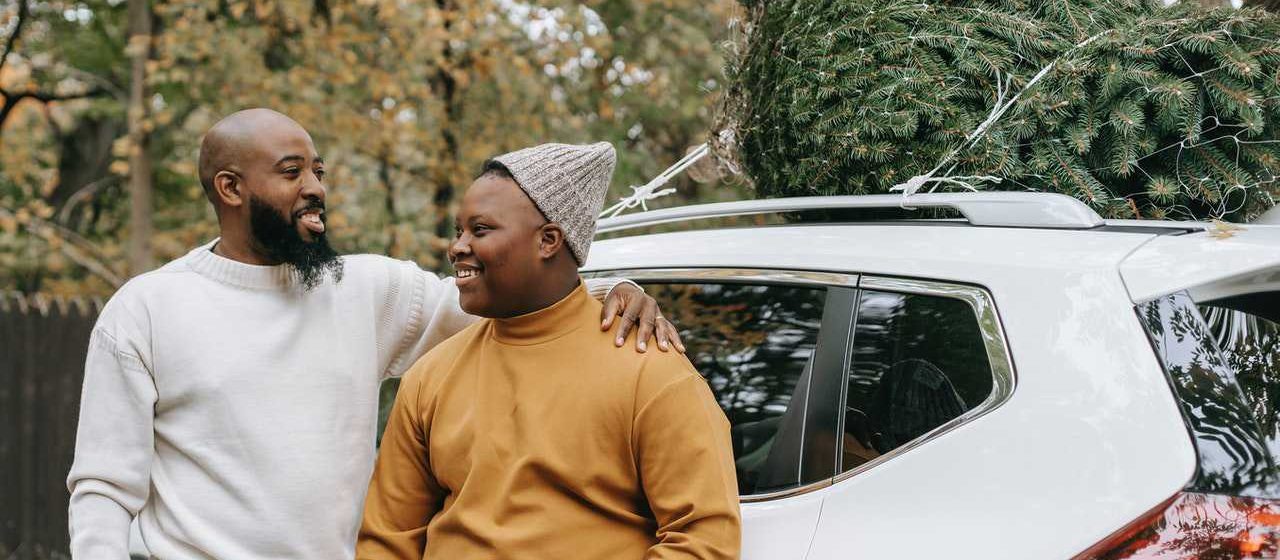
x=404 y=100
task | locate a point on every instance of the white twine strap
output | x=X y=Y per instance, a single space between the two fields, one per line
x=640 y=196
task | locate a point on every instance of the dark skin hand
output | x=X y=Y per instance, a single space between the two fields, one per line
x=640 y=311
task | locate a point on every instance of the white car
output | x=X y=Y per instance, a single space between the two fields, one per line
x=1023 y=381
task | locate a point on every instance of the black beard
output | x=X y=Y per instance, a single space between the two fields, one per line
x=279 y=239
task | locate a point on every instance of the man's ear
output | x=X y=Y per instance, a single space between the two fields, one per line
x=229 y=189
x=550 y=240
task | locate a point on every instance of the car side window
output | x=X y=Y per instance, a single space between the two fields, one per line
x=918 y=362
x=755 y=346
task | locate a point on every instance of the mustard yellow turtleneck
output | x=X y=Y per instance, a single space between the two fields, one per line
x=535 y=437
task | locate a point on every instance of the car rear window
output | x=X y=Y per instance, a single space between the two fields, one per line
x=1247 y=330
x=1221 y=357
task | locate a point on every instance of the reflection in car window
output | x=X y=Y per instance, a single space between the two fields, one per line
x=754 y=344
x=918 y=362
x=1234 y=454
x=1247 y=330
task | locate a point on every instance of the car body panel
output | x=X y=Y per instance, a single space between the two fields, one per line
x=956 y=253
x=1091 y=438
x=780 y=529
x=1169 y=264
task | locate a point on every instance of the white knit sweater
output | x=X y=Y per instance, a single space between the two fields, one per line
x=234 y=413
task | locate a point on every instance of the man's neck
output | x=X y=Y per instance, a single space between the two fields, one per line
x=237 y=248
x=555 y=290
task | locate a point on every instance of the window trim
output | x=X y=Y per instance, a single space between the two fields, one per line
x=777 y=277
x=733 y=274
x=1003 y=377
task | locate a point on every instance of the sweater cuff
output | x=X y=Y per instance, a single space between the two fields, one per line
x=99 y=527
x=600 y=288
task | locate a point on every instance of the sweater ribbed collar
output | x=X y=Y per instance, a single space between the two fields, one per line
x=548 y=323
x=216 y=267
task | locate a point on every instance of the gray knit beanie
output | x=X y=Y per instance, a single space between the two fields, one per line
x=568 y=183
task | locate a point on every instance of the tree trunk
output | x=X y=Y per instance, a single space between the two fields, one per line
x=140 y=173
x=384 y=174
x=445 y=87
x=84 y=155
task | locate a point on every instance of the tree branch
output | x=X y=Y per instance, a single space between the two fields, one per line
x=23 y=12
x=86 y=192
x=99 y=82
x=48 y=97
x=80 y=250
x=11 y=99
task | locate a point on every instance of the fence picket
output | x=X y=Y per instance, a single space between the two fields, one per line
x=43 y=343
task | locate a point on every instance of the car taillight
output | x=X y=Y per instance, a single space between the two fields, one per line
x=1193 y=526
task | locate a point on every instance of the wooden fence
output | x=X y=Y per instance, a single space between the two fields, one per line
x=43 y=342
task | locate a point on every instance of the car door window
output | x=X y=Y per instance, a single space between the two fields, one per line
x=755 y=345
x=918 y=362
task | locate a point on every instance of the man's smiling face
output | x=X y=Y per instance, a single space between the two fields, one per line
x=286 y=174
x=283 y=177
x=496 y=247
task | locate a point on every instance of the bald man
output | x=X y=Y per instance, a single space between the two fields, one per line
x=230 y=396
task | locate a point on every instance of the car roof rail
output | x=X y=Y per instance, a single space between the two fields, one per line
x=999 y=209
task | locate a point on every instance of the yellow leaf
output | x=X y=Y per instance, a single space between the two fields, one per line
x=138 y=45
x=1223 y=230
x=42 y=209
x=120 y=147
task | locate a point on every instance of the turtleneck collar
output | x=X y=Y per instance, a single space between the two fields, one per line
x=216 y=267
x=546 y=324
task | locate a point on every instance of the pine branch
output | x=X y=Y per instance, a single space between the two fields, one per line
x=856 y=97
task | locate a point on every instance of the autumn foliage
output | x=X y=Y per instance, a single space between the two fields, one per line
x=404 y=99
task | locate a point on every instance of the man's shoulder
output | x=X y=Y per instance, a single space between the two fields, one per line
x=370 y=260
x=653 y=369
x=441 y=358
x=663 y=369
x=380 y=263
x=380 y=270
x=131 y=304
x=366 y=266
x=148 y=285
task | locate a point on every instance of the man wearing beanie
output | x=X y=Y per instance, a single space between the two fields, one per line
x=525 y=437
